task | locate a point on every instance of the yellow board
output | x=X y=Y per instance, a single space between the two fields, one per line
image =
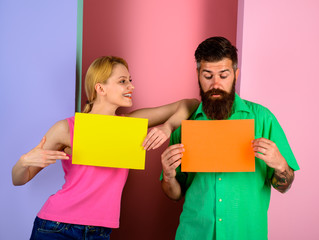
x=109 y=141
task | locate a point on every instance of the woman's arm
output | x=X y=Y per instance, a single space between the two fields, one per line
x=170 y=115
x=46 y=153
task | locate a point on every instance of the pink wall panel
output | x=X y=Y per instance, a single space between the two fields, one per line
x=158 y=39
x=279 y=70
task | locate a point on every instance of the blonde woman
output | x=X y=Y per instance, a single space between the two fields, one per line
x=88 y=205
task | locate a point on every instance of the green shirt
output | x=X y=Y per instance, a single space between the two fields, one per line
x=231 y=205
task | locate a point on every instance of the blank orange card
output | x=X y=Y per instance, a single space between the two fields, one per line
x=218 y=146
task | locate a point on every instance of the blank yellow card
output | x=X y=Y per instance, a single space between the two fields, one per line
x=109 y=141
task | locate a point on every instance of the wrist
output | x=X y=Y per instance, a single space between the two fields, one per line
x=282 y=168
x=22 y=161
x=167 y=179
x=169 y=126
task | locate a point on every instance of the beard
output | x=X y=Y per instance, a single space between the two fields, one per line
x=220 y=108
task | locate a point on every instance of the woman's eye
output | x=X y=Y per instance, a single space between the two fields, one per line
x=122 y=81
x=131 y=80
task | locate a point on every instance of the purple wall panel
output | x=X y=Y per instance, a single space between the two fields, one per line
x=37 y=84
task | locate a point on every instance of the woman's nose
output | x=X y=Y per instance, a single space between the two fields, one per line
x=131 y=86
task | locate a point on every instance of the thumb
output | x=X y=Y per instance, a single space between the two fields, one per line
x=42 y=142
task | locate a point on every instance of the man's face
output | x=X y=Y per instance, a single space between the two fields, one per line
x=217 y=82
x=217 y=75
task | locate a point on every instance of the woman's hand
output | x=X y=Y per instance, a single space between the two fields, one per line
x=39 y=157
x=156 y=137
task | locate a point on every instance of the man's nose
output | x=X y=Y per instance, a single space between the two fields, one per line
x=215 y=83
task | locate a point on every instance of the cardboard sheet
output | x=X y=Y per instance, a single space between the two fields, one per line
x=109 y=141
x=218 y=146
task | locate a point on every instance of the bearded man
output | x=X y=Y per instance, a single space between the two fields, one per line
x=229 y=205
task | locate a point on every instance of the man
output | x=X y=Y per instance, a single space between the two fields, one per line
x=228 y=205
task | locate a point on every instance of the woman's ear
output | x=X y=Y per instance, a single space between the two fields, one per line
x=99 y=88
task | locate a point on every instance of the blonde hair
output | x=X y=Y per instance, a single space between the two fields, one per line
x=98 y=72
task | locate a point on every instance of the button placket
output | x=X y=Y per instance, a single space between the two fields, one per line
x=219 y=198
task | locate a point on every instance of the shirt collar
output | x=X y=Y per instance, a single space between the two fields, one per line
x=238 y=106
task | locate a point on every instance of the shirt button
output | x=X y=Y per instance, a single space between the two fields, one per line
x=220 y=179
x=220 y=200
x=220 y=219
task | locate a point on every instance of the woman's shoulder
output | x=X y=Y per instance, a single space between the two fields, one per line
x=61 y=126
x=60 y=132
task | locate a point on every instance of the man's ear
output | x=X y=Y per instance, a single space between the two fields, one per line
x=99 y=88
x=237 y=74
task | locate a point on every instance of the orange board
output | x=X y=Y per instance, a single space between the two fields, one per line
x=218 y=146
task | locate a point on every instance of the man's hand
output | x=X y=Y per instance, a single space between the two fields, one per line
x=171 y=159
x=267 y=151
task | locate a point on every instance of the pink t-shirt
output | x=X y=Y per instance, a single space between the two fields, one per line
x=90 y=195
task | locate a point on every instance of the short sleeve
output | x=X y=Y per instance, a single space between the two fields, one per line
x=273 y=131
x=278 y=136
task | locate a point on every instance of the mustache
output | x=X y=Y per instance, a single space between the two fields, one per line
x=215 y=91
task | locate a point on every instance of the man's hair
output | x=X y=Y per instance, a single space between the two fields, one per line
x=215 y=49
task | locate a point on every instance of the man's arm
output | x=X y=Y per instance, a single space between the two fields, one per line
x=282 y=180
x=267 y=151
x=171 y=159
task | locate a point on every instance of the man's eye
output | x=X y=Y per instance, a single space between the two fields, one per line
x=223 y=76
x=208 y=77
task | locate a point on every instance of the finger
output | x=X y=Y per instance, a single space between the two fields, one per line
x=171 y=158
x=48 y=163
x=262 y=141
x=151 y=141
x=56 y=157
x=170 y=148
x=260 y=150
x=53 y=152
x=260 y=156
x=147 y=138
x=170 y=166
x=42 y=164
x=159 y=143
x=172 y=153
x=176 y=164
x=173 y=166
x=151 y=144
x=174 y=159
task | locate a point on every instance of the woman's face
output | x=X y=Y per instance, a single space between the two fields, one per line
x=118 y=87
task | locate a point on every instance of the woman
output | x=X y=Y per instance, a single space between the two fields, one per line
x=89 y=202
